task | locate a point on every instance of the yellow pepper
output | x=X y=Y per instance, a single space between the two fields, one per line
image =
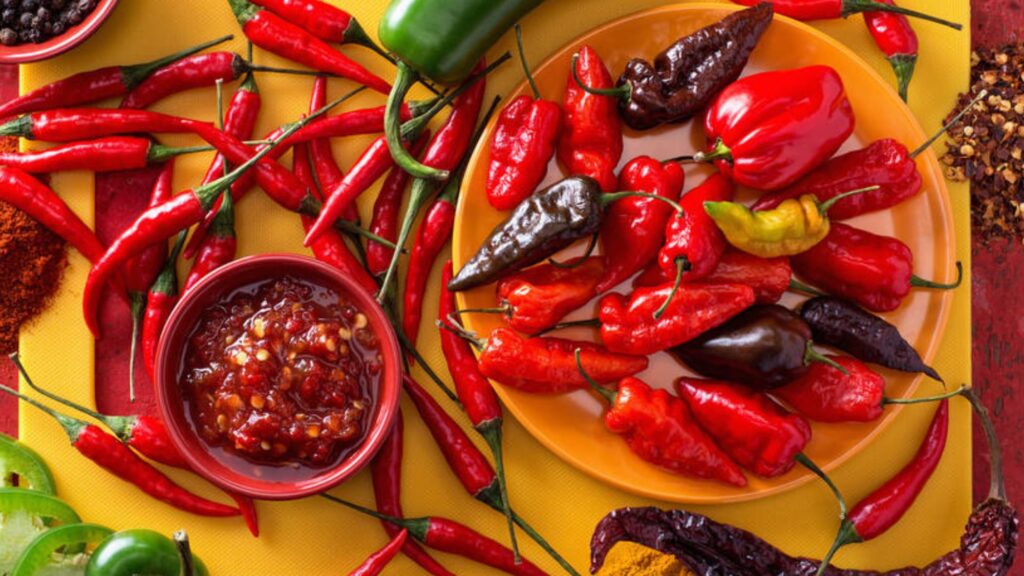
x=793 y=227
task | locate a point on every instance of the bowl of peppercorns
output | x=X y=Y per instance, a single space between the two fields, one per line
x=32 y=30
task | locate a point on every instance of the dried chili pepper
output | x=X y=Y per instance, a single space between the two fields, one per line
x=274 y=34
x=591 y=140
x=71 y=124
x=629 y=326
x=687 y=75
x=768 y=130
x=896 y=38
x=833 y=9
x=524 y=141
x=325 y=21
x=764 y=347
x=547 y=221
x=848 y=327
x=634 y=229
x=872 y=270
x=102 y=155
x=160 y=300
x=379 y=560
x=110 y=454
x=387 y=209
x=95 y=85
x=769 y=277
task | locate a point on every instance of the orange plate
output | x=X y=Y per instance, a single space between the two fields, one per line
x=570 y=425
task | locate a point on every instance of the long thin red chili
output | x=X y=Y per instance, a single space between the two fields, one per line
x=274 y=34
x=198 y=71
x=321 y=156
x=379 y=560
x=387 y=209
x=99 y=155
x=325 y=21
x=95 y=85
x=160 y=301
x=386 y=471
x=41 y=203
x=71 y=124
x=218 y=248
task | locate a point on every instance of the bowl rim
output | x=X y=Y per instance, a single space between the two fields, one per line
x=34 y=52
x=173 y=414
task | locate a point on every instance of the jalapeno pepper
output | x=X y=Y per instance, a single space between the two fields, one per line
x=591 y=142
x=768 y=130
x=131 y=552
x=26 y=514
x=20 y=463
x=43 y=552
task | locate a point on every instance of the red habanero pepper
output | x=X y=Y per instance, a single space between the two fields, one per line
x=325 y=167
x=386 y=211
x=869 y=269
x=660 y=429
x=325 y=21
x=633 y=229
x=768 y=130
x=160 y=300
x=768 y=277
x=628 y=325
x=896 y=38
x=379 y=560
x=537 y=298
x=279 y=36
x=884 y=507
x=100 y=155
x=113 y=456
x=749 y=426
x=591 y=141
x=386 y=472
x=94 y=85
x=37 y=200
x=524 y=141
x=72 y=124
x=832 y=9
x=218 y=247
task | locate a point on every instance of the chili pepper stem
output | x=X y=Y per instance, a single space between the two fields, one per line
x=497 y=310
x=411 y=349
x=847 y=535
x=72 y=426
x=824 y=207
x=159 y=153
x=682 y=265
x=798 y=286
x=856 y=6
x=623 y=92
x=922 y=283
x=526 y=67
x=903 y=65
x=536 y=537
x=997 y=486
x=461 y=332
x=719 y=152
x=417 y=527
x=949 y=125
x=812 y=355
x=607 y=394
x=404 y=80
x=250 y=67
x=590 y=322
x=135 y=74
x=577 y=262
x=138 y=307
x=961 y=391
x=846 y=530
x=184 y=553
x=492 y=435
x=609 y=197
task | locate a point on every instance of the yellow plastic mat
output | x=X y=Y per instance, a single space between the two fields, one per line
x=314 y=537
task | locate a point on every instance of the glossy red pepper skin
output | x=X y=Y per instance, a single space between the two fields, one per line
x=32 y=197
x=100 y=155
x=548 y=365
x=768 y=277
x=219 y=248
x=633 y=229
x=160 y=301
x=379 y=560
x=279 y=36
x=895 y=36
x=198 y=71
x=872 y=270
x=387 y=209
x=449 y=536
x=525 y=137
x=538 y=298
x=140 y=272
x=694 y=237
x=660 y=428
x=825 y=394
x=325 y=21
x=591 y=141
x=749 y=426
x=628 y=325
x=778 y=126
x=431 y=238
x=72 y=124
x=321 y=156
x=885 y=163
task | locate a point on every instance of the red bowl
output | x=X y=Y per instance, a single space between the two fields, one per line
x=173 y=408
x=72 y=37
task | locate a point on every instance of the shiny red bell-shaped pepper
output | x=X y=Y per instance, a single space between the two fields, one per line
x=749 y=426
x=769 y=277
x=768 y=130
x=539 y=297
x=524 y=142
x=825 y=394
x=591 y=141
x=693 y=242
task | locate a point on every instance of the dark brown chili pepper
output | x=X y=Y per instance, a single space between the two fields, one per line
x=850 y=328
x=688 y=74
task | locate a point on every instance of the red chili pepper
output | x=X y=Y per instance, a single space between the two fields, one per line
x=386 y=211
x=379 y=560
x=110 y=454
x=524 y=141
x=751 y=428
x=884 y=507
x=101 y=155
x=274 y=34
x=160 y=300
x=538 y=298
x=325 y=21
x=218 y=248
x=825 y=394
x=768 y=130
x=591 y=141
x=896 y=38
x=71 y=124
x=197 y=71
x=768 y=277
x=94 y=85
x=41 y=203
x=628 y=326
x=325 y=166
x=832 y=9
x=872 y=270
x=633 y=229
x=386 y=470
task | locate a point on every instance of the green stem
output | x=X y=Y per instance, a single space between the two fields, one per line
x=609 y=197
x=590 y=322
x=404 y=80
x=682 y=265
x=497 y=310
x=533 y=534
x=812 y=355
x=845 y=525
x=961 y=391
x=622 y=92
x=607 y=394
x=577 y=262
x=138 y=307
x=417 y=527
x=798 y=286
x=461 y=332
x=949 y=125
x=997 y=483
x=72 y=426
x=159 y=153
x=824 y=207
x=857 y=6
x=719 y=152
x=919 y=282
x=492 y=435
x=411 y=349
x=135 y=74
x=903 y=66
x=522 y=61
x=184 y=553
x=847 y=535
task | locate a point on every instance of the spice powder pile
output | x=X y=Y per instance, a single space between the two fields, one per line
x=988 y=143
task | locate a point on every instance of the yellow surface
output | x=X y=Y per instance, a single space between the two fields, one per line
x=311 y=537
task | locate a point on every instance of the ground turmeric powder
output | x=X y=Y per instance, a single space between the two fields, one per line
x=631 y=559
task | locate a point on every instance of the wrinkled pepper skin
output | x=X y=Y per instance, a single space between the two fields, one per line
x=762 y=348
x=591 y=141
x=546 y=222
x=885 y=163
x=660 y=429
x=695 y=237
x=688 y=74
x=825 y=394
x=538 y=298
x=749 y=426
x=524 y=142
x=776 y=127
x=633 y=230
x=769 y=277
x=795 y=226
x=871 y=270
x=548 y=365
x=628 y=324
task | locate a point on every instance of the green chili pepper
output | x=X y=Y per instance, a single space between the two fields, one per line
x=17 y=459
x=441 y=40
x=40 y=554
x=133 y=552
x=26 y=514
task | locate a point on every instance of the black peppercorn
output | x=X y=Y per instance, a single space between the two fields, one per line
x=8 y=37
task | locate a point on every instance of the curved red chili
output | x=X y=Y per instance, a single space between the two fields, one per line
x=99 y=155
x=591 y=141
x=70 y=124
x=218 y=248
x=379 y=560
x=325 y=21
x=387 y=210
x=325 y=166
x=895 y=36
x=160 y=301
x=197 y=71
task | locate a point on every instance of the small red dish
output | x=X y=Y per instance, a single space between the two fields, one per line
x=256 y=480
x=32 y=52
